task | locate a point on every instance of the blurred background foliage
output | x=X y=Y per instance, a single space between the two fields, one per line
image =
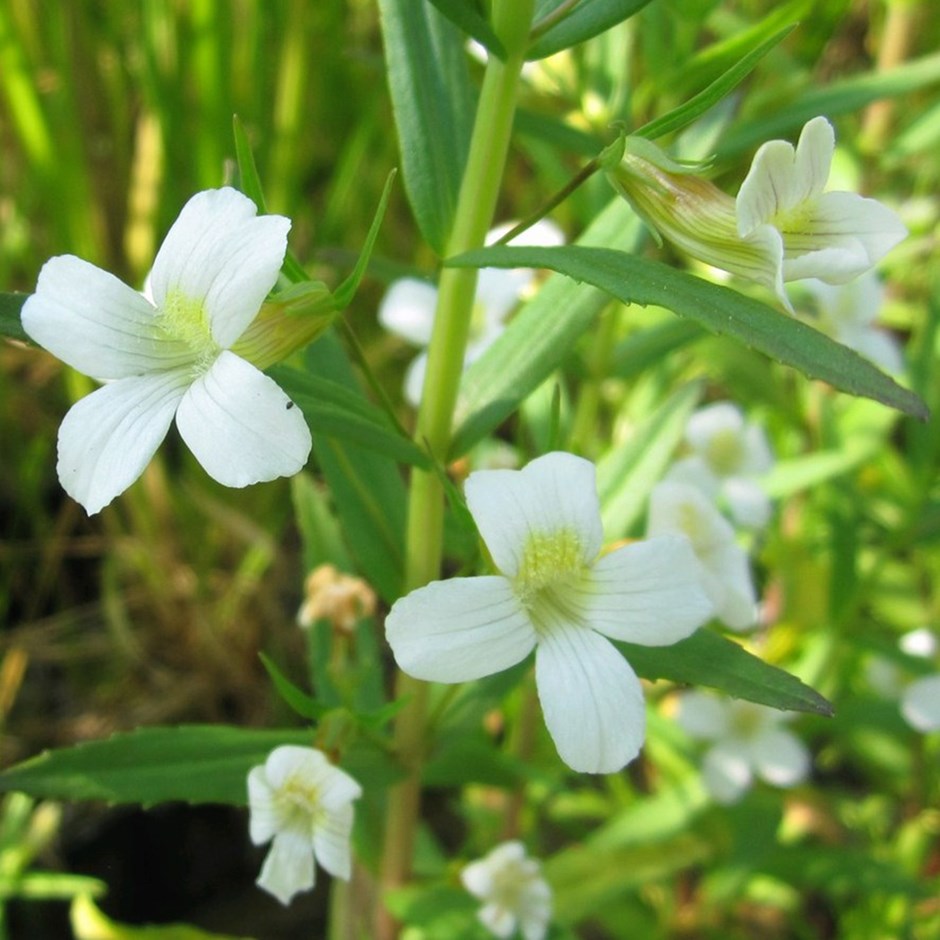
x=112 y=114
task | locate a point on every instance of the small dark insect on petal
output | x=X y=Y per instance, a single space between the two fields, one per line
x=290 y=405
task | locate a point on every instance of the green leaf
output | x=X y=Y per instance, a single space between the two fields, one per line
x=367 y=488
x=536 y=341
x=626 y=475
x=466 y=16
x=719 y=309
x=89 y=923
x=251 y=186
x=645 y=348
x=11 y=325
x=344 y=294
x=337 y=411
x=707 y=659
x=685 y=114
x=846 y=97
x=584 y=22
x=195 y=763
x=319 y=528
x=305 y=705
x=432 y=100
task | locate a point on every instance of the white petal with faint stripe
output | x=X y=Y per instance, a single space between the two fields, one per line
x=241 y=426
x=457 y=630
x=591 y=698
x=107 y=439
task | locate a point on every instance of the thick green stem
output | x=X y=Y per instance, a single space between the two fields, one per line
x=476 y=205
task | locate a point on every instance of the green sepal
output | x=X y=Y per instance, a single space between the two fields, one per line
x=11 y=323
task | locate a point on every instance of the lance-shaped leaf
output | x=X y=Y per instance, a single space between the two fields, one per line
x=195 y=763
x=465 y=15
x=686 y=113
x=717 y=308
x=707 y=659
x=337 y=411
x=432 y=100
x=367 y=487
x=537 y=339
x=585 y=21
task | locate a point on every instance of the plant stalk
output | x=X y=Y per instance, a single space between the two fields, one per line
x=476 y=205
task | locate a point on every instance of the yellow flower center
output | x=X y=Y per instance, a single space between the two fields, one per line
x=725 y=452
x=298 y=804
x=552 y=563
x=186 y=320
x=746 y=720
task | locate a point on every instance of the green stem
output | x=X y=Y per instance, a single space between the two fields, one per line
x=476 y=205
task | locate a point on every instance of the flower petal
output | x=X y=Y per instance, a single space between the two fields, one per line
x=414 y=379
x=842 y=236
x=703 y=716
x=264 y=817
x=336 y=788
x=107 y=439
x=781 y=179
x=920 y=704
x=647 y=592
x=288 y=867
x=292 y=760
x=220 y=253
x=780 y=757
x=726 y=771
x=556 y=492
x=97 y=324
x=331 y=842
x=407 y=310
x=749 y=505
x=241 y=427
x=458 y=630
x=591 y=698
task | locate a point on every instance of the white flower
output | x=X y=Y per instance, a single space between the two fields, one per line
x=172 y=356
x=723 y=564
x=514 y=892
x=555 y=594
x=781 y=227
x=408 y=307
x=304 y=803
x=920 y=703
x=847 y=313
x=748 y=741
x=832 y=236
x=728 y=454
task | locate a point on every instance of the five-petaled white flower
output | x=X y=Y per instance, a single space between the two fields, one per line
x=747 y=741
x=723 y=563
x=556 y=593
x=304 y=803
x=847 y=313
x=833 y=236
x=513 y=891
x=728 y=455
x=408 y=308
x=172 y=356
